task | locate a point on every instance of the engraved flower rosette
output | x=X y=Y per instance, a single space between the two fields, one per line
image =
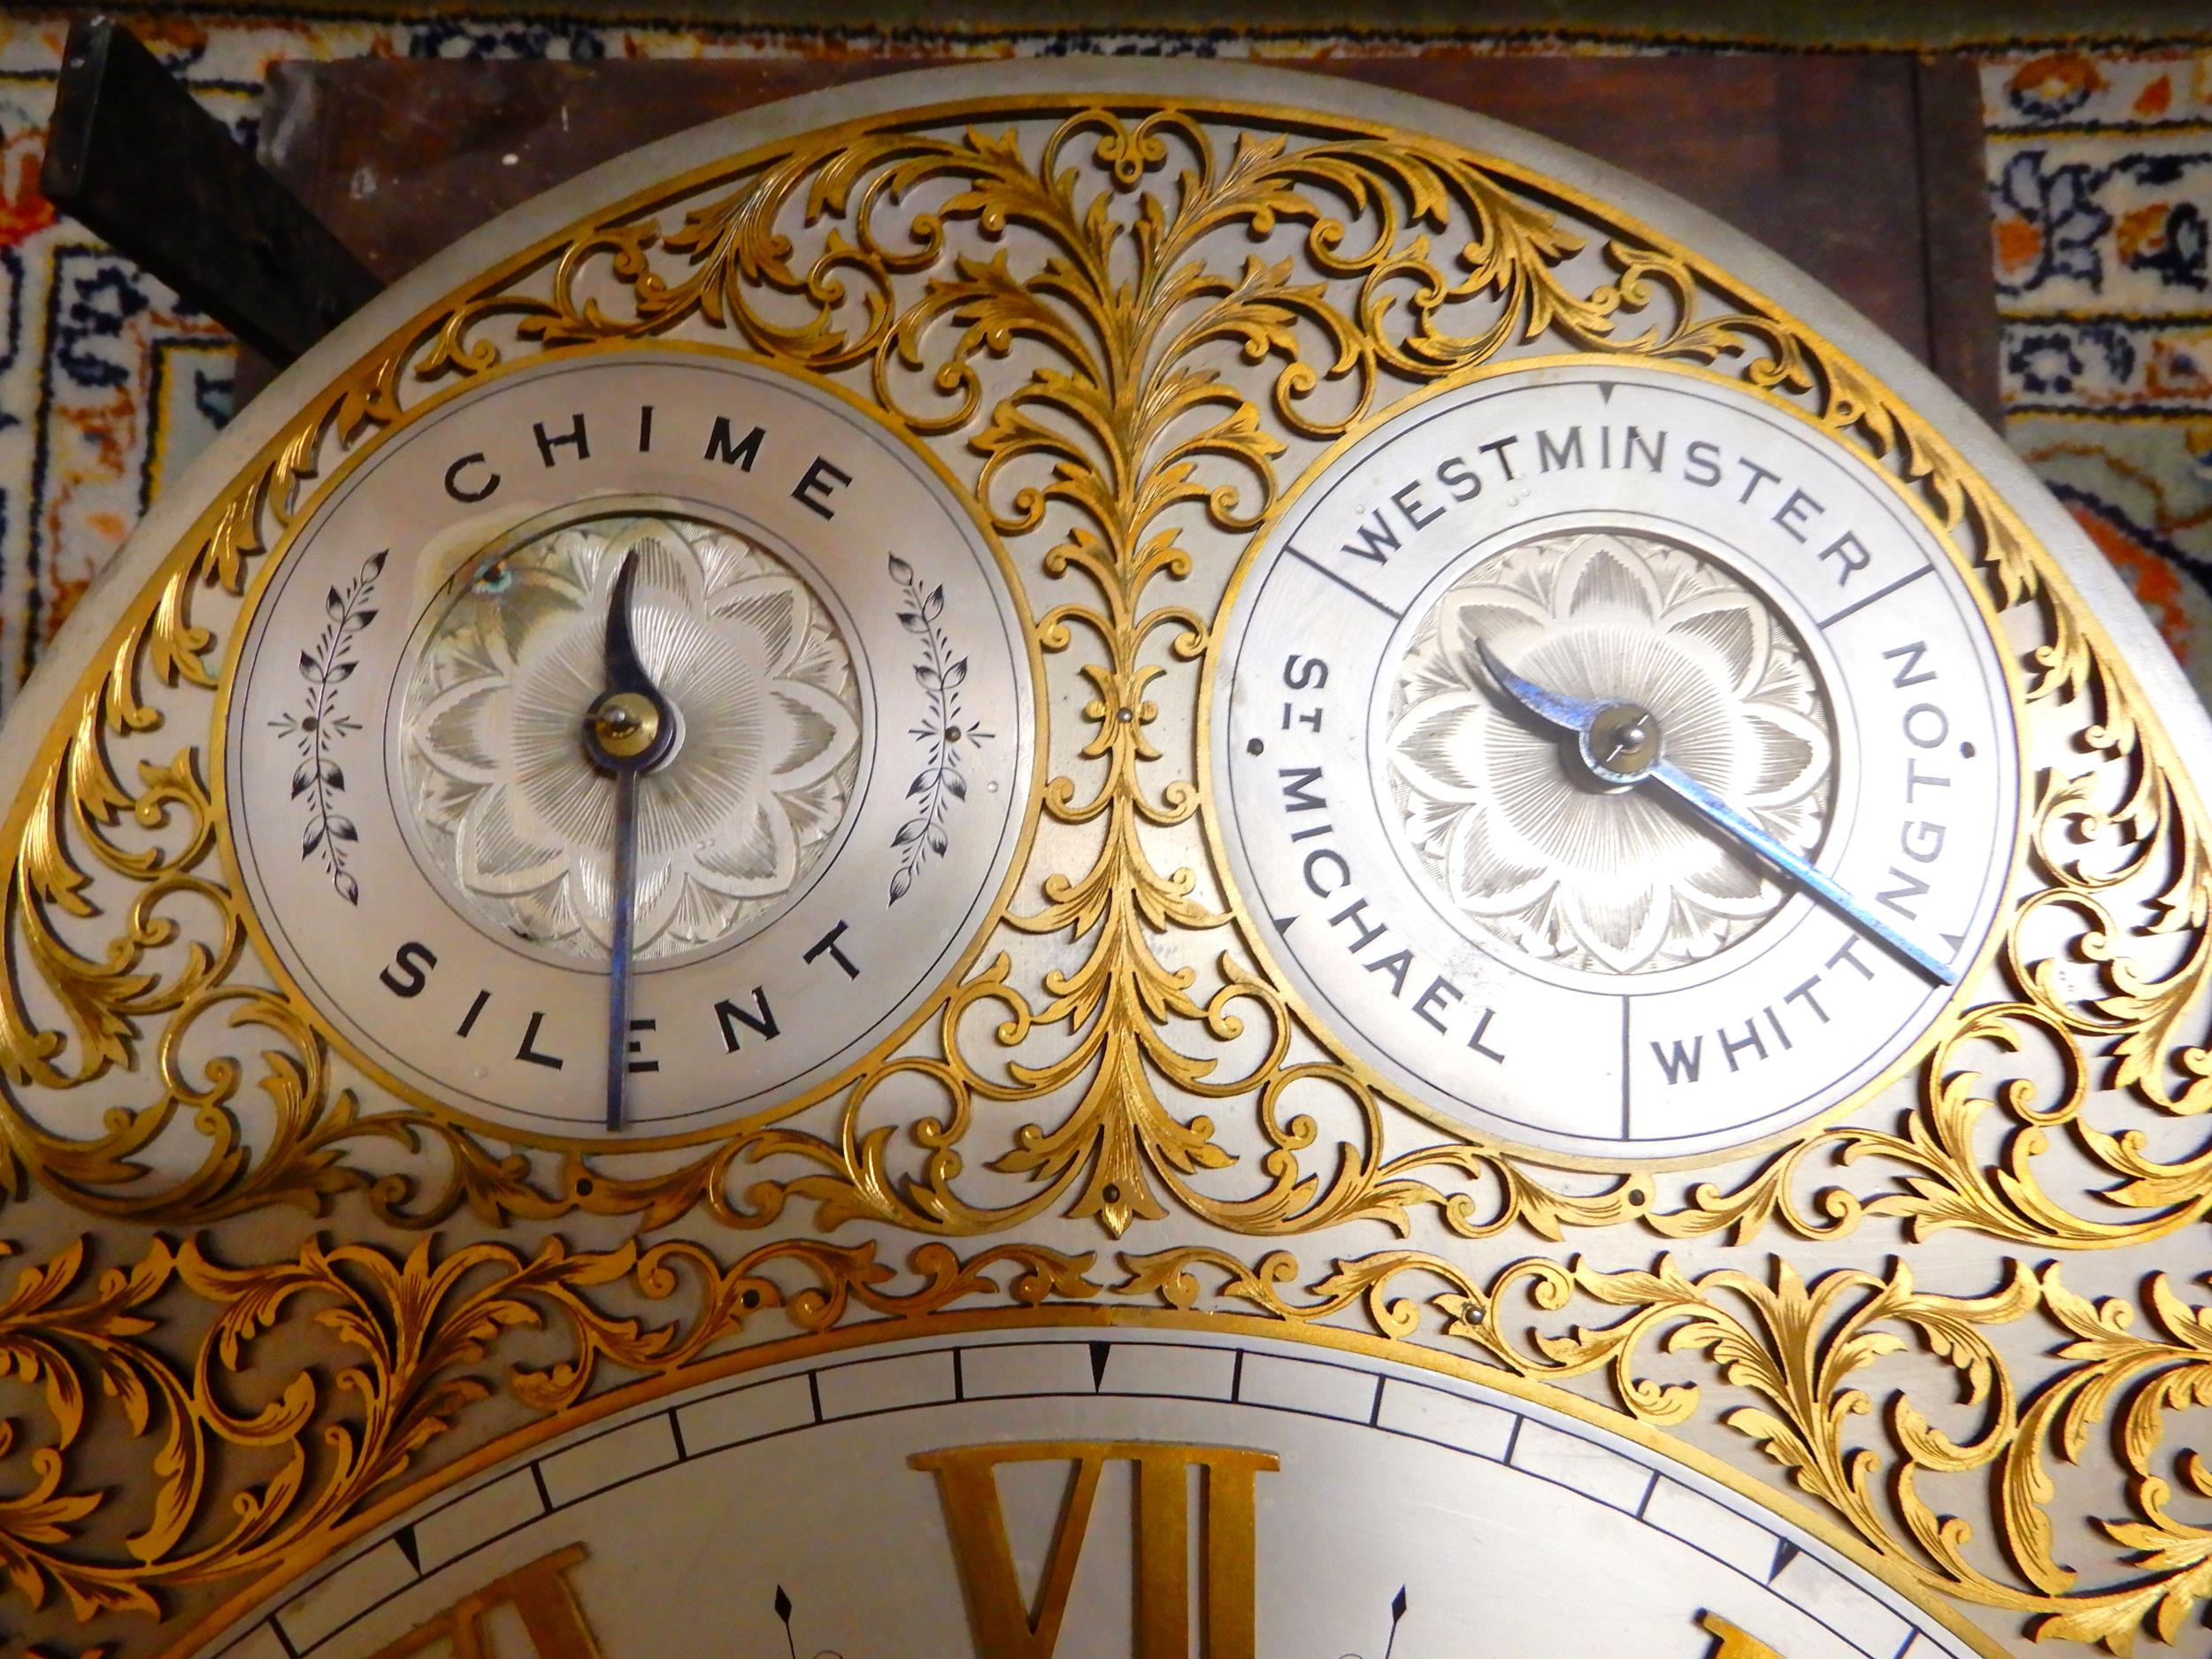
x=1517 y=841
x=516 y=816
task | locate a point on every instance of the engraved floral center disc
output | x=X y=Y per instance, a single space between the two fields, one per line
x=1503 y=823
x=512 y=813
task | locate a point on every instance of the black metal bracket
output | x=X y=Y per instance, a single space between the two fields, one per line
x=135 y=160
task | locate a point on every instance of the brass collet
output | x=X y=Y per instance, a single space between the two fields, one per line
x=626 y=725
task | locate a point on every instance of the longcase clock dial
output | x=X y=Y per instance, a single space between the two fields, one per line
x=1095 y=861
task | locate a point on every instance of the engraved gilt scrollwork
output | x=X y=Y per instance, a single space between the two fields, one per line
x=1797 y=1363
x=424 y=1338
x=233 y=1490
x=1076 y=345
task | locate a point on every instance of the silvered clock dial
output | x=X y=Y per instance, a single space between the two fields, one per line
x=1094 y=861
x=432 y=826
x=1623 y=768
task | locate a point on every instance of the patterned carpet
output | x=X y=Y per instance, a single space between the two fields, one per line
x=2100 y=189
x=2100 y=168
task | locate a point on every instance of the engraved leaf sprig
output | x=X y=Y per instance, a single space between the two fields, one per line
x=945 y=731
x=319 y=726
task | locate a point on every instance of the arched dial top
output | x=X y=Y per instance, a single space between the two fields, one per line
x=1296 y=975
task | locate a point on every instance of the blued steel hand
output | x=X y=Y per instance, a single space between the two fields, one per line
x=628 y=731
x=1620 y=744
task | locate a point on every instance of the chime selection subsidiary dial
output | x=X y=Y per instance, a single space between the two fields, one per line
x=818 y=825
x=1622 y=767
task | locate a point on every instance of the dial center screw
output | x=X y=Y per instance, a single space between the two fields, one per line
x=626 y=725
x=1622 y=744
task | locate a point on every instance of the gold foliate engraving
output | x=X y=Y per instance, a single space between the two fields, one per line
x=420 y=1335
x=1801 y=1355
x=1007 y=1624
x=413 y=1334
x=1081 y=364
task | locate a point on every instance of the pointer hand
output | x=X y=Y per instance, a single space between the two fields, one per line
x=1619 y=743
x=629 y=731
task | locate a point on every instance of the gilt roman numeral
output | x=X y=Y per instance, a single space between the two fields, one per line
x=1006 y=1625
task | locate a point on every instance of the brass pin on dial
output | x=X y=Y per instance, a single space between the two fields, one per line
x=625 y=725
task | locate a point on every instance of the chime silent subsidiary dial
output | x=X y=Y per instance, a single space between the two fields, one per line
x=431 y=842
